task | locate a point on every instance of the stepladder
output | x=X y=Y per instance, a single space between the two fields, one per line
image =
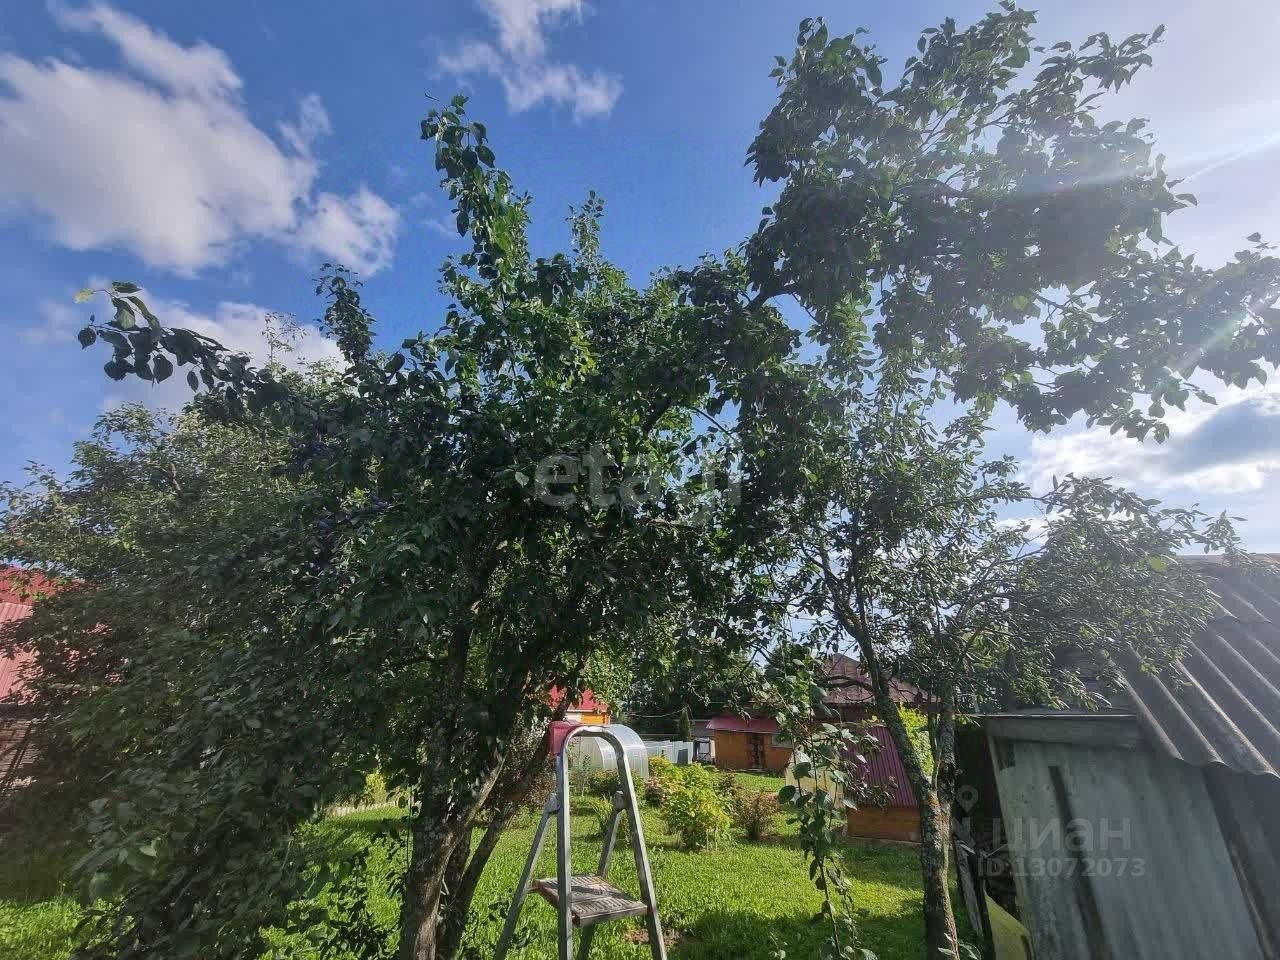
x=583 y=901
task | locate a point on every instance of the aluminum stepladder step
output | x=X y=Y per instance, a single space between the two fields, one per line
x=585 y=900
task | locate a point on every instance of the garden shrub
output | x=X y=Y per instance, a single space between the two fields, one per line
x=755 y=812
x=660 y=766
x=665 y=779
x=656 y=790
x=375 y=790
x=696 y=775
x=697 y=815
x=603 y=783
x=544 y=784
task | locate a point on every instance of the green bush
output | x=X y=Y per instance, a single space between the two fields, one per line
x=375 y=789
x=656 y=790
x=755 y=812
x=602 y=783
x=665 y=778
x=660 y=766
x=696 y=775
x=697 y=815
x=684 y=726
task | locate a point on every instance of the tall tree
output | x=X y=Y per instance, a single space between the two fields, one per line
x=146 y=496
x=924 y=222
x=975 y=210
x=903 y=554
x=476 y=515
x=684 y=725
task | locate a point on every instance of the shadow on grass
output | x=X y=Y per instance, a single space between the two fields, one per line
x=730 y=935
x=31 y=875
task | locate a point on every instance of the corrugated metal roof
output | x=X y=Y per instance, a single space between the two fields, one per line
x=852 y=685
x=10 y=667
x=587 y=703
x=18 y=585
x=1222 y=704
x=729 y=723
x=883 y=768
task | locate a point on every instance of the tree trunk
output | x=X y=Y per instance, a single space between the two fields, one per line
x=434 y=839
x=933 y=790
x=504 y=802
x=440 y=828
x=455 y=903
x=940 y=935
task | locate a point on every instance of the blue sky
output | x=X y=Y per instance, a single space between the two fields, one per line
x=218 y=154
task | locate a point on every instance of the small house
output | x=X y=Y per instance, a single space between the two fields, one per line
x=588 y=709
x=17 y=751
x=756 y=743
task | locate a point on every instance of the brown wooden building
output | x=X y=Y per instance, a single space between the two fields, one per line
x=756 y=743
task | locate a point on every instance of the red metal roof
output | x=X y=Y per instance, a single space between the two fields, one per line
x=18 y=585
x=10 y=667
x=883 y=768
x=851 y=686
x=729 y=723
x=587 y=703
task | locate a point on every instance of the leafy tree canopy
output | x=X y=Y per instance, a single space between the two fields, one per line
x=465 y=522
x=972 y=211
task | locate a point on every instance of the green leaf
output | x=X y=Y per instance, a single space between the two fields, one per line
x=193 y=380
x=124 y=286
x=124 y=314
x=87 y=337
x=142 y=308
x=85 y=294
x=161 y=367
x=99 y=883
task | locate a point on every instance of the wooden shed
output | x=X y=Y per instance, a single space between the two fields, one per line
x=749 y=743
x=899 y=817
x=754 y=742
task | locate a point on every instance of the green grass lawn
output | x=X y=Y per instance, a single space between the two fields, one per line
x=737 y=902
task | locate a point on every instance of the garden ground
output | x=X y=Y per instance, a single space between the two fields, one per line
x=740 y=901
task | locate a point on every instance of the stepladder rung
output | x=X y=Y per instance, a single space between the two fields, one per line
x=592 y=899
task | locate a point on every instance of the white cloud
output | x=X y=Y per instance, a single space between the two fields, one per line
x=58 y=325
x=1219 y=132
x=1231 y=448
x=160 y=157
x=520 y=60
x=200 y=71
x=359 y=230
